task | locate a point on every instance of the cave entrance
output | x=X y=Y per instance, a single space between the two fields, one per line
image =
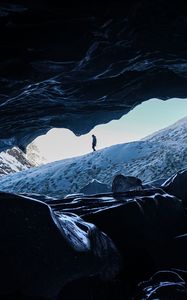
x=148 y=143
x=143 y=120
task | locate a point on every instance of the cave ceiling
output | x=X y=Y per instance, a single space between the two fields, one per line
x=78 y=65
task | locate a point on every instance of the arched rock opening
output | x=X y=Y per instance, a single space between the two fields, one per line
x=76 y=66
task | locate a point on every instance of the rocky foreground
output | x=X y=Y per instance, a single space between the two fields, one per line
x=124 y=245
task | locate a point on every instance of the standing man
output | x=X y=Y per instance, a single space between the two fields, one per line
x=94 y=142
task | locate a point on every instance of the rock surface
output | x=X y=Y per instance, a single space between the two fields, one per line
x=106 y=243
x=144 y=226
x=86 y=63
x=176 y=185
x=95 y=187
x=165 y=285
x=13 y=161
x=75 y=67
x=123 y=183
x=42 y=251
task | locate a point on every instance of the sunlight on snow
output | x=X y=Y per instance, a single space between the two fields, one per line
x=143 y=120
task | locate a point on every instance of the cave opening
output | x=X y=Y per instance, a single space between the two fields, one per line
x=145 y=119
x=112 y=223
x=149 y=143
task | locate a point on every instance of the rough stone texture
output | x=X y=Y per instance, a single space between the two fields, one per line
x=173 y=255
x=140 y=226
x=53 y=248
x=176 y=185
x=163 y=285
x=41 y=251
x=123 y=183
x=143 y=225
x=95 y=187
x=77 y=65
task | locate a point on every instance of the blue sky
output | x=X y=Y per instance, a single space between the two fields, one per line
x=144 y=119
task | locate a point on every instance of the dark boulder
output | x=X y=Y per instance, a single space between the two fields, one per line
x=177 y=185
x=41 y=251
x=173 y=254
x=141 y=227
x=123 y=183
x=164 y=285
x=95 y=187
x=95 y=289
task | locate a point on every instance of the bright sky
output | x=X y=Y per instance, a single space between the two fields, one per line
x=143 y=120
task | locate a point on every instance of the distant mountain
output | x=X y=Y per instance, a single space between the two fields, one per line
x=157 y=156
x=13 y=160
x=34 y=156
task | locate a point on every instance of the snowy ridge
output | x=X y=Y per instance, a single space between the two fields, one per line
x=178 y=128
x=157 y=156
x=13 y=160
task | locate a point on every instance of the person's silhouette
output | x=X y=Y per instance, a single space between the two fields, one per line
x=94 y=142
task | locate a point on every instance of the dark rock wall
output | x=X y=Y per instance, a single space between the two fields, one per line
x=76 y=66
x=41 y=252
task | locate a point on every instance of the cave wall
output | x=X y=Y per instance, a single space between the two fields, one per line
x=79 y=65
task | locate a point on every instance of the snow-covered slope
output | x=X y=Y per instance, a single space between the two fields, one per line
x=157 y=156
x=13 y=160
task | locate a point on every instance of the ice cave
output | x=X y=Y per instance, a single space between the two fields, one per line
x=96 y=235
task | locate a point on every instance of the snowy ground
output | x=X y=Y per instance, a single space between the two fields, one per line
x=157 y=156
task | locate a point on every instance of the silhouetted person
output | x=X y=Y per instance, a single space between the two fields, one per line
x=94 y=142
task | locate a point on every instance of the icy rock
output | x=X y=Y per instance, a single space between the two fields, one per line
x=114 y=68
x=155 y=183
x=42 y=251
x=123 y=183
x=95 y=187
x=140 y=226
x=176 y=185
x=165 y=285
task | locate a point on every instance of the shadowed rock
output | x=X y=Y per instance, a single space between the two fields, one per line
x=155 y=183
x=176 y=185
x=141 y=228
x=95 y=187
x=173 y=255
x=47 y=248
x=123 y=183
x=143 y=225
x=164 y=285
x=41 y=251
